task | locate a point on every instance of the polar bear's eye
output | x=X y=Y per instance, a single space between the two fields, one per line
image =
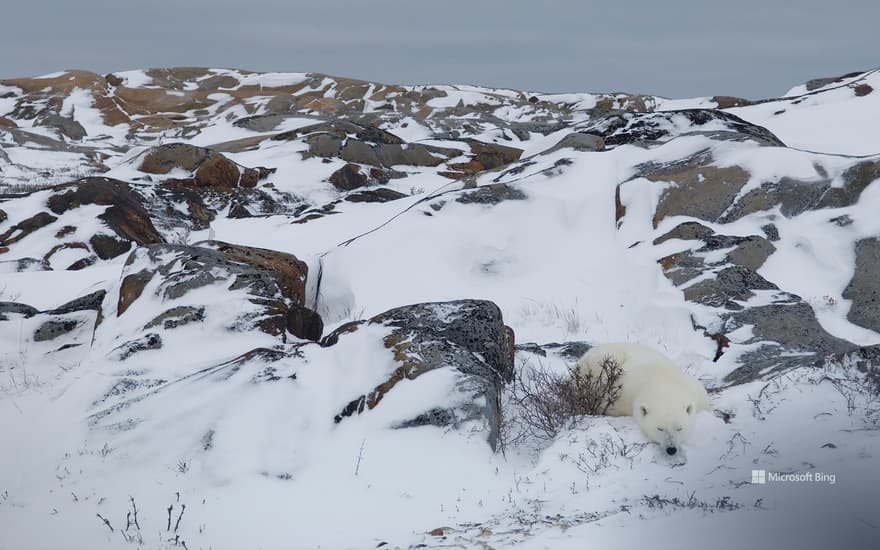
x=690 y=408
x=660 y=429
x=678 y=429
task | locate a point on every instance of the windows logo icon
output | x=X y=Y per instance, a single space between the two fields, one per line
x=759 y=477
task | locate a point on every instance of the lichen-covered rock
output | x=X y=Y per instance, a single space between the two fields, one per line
x=272 y=283
x=466 y=335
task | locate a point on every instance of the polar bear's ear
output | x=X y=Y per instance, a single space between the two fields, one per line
x=643 y=410
x=690 y=409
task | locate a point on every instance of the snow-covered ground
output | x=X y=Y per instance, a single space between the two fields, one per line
x=207 y=455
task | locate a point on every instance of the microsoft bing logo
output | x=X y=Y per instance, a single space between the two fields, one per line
x=759 y=477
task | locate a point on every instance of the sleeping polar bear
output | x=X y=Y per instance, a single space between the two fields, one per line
x=663 y=399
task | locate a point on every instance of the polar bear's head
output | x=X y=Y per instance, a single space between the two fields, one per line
x=666 y=416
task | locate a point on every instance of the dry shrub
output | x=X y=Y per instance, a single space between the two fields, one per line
x=547 y=400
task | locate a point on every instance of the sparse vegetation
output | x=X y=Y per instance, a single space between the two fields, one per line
x=546 y=400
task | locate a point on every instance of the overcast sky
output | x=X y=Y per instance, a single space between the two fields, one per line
x=674 y=48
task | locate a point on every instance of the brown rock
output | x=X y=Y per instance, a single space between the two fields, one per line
x=292 y=271
x=217 y=171
x=164 y=158
x=348 y=177
x=25 y=227
x=107 y=247
x=6 y=123
x=125 y=215
x=132 y=287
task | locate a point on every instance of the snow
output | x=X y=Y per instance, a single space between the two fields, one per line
x=262 y=464
x=837 y=114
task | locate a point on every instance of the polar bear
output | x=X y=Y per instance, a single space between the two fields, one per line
x=663 y=399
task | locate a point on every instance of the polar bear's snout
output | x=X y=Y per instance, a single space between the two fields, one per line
x=671 y=450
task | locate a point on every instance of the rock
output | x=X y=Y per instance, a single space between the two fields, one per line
x=6 y=123
x=381 y=194
x=88 y=302
x=144 y=343
x=728 y=102
x=67 y=126
x=468 y=335
x=817 y=83
x=52 y=329
x=751 y=252
x=864 y=288
x=862 y=90
x=579 y=142
x=359 y=152
x=304 y=323
x=493 y=155
x=324 y=145
x=492 y=194
x=107 y=247
x=3 y=216
x=260 y=123
x=721 y=201
x=730 y=285
x=25 y=227
x=177 y=316
x=348 y=177
x=688 y=231
x=414 y=154
x=622 y=128
x=14 y=308
x=125 y=214
x=273 y=282
x=164 y=158
x=716 y=187
x=217 y=171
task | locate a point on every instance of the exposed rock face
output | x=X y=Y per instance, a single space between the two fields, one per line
x=864 y=288
x=272 y=282
x=125 y=213
x=467 y=335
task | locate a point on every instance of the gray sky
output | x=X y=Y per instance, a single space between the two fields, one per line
x=675 y=48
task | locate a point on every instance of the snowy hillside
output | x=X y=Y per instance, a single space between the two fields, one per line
x=243 y=310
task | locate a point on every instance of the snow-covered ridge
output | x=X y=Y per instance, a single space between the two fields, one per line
x=293 y=302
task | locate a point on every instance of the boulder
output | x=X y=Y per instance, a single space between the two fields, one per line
x=273 y=283
x=466 y=335
x=125 y=214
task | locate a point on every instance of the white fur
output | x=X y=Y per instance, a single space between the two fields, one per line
x=663 y=399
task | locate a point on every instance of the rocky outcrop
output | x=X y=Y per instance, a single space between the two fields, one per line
x=864 y=288
x=272 y=286
x=466 y=335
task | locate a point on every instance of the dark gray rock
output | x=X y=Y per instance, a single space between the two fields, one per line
x=54 y=328
x=67 y=126
x=16 y=308
x=492 y=194
x=177 y=316
x=864 y=288
x=146 y=342
x=260 y=123
x=89 y=302
x=730 y=285
x=620 y=127
x=304 y=323
x=468 y=335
